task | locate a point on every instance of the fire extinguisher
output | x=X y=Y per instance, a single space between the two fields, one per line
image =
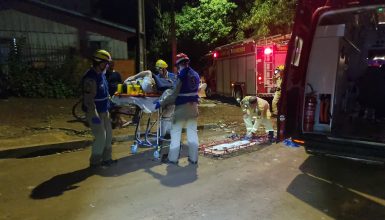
x=309 y=110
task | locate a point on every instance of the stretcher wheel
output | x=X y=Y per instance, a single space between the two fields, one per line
x=156 y=154
x=134 y=148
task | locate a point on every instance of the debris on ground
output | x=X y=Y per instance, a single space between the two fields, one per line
x=289 y=143
x=233 y=135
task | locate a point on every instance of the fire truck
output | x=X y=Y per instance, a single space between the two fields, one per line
x=333 y=96
x=247 y=67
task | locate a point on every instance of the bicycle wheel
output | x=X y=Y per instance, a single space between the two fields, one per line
x=122 y=116
x=77 y=111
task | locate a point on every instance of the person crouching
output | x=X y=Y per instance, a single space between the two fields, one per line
x=256 y=113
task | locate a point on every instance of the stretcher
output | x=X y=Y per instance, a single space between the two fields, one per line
x=231 y=145
x=150 y=135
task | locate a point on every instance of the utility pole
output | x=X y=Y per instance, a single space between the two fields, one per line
x=141 y=39
x=173 y=35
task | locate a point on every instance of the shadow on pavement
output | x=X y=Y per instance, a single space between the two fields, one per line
x=340 y=188
x=57 y=185
x=176 y=176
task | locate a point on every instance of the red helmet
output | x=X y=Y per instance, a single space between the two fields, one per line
x=180 y=57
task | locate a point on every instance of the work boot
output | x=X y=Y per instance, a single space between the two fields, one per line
x=95 y=165
x=95 y=161
x=192 y=162
x=271 y=136
x=166 y=160
x=108 y=163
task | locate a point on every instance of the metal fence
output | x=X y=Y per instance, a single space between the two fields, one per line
x=35 y=54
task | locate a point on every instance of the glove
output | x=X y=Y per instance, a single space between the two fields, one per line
x=157 y=104
x=96 y=120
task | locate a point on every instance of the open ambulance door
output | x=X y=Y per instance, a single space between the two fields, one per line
x=333 y=96
x=293 y=85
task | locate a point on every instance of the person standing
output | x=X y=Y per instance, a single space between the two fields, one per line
x=113 y=78
x=161 y=71
x=278 y=74
x=96 y=104
x=168 y=110
x=202 y=88
x=185 y=96
x=256 y=110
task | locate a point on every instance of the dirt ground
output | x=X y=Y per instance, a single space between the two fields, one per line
x=26 y=121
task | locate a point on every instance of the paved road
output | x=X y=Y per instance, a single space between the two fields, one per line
x=273 y=183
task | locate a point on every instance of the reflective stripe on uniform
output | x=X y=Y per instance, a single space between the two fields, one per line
x=188 y=94
x=100 y=100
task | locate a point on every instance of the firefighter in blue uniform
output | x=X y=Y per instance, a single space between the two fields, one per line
x=161 y=70
x=167 y=111
x=185 y=96
x=96 y=104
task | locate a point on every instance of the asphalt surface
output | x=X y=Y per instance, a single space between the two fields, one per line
x=274 y=182
x=42 y=178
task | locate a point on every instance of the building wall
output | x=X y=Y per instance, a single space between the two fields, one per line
x=45 y=36
x=37 y=32
x=117 y=48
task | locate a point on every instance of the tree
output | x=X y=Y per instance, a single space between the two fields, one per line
x=159 y=35
x=267 y=17
x=205 y=22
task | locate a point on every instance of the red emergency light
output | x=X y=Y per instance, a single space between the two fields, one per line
x=260 y=78
x=268 y=51
x=215 y=54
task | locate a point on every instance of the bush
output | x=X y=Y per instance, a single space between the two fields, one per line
x=52 y=80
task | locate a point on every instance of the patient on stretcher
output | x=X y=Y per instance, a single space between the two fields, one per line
x=150 y=83
x=144 y=78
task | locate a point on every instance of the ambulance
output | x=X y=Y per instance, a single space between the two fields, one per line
x=333 y=90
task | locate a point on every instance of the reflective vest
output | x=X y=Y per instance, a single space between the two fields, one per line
x=173 y=77
x=190 y=85
x=101 y=99
x=278 y=84
x=259 y=108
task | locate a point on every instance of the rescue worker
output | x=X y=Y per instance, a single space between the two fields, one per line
x=161 y=70
x=278 y=74
x=168 y=110
x=185 y=96
x=202 y=88
x=96 y=104
x=113 y=79
x=256 y=110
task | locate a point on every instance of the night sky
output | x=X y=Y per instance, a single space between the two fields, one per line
x=124 y=12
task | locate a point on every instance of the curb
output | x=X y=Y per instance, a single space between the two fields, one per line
x=52 y=148
x=45 y=149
